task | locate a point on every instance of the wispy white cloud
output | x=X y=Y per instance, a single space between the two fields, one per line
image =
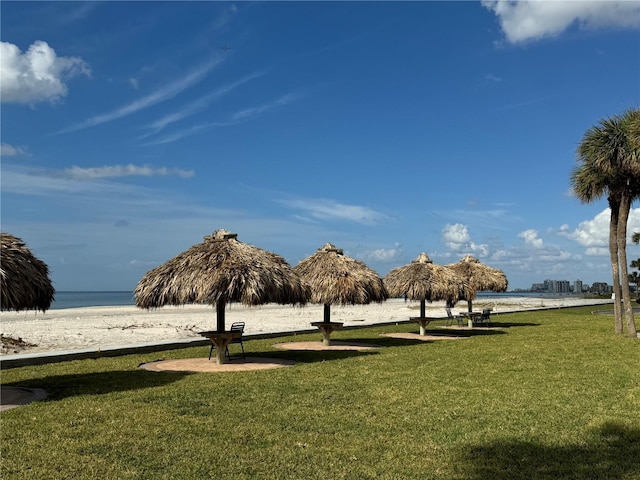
x=77 y=182
x=495 y=218
x=224 y=18
x=528 y=20
x=11 y=151
x=143 y=263
x=38 y=75
x=46 y=183
x=112 y=171
x=325 y=209
x=165 y=93
x=180 y=134
x=198 y=105
x=85 y=246
x=236 y=119
x=77 y=11
x=523 y=103
x=253 y=111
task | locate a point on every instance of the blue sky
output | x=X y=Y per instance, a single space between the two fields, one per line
x=130 y=130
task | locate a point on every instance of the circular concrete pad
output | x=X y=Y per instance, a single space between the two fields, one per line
x=318 y=346
x=424 y=338
x=206 y=365
x=11 y=397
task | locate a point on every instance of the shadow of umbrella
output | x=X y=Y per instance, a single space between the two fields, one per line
x=479 y=277
x=611 y=451
x=337 y=279
x=422 y=280
x=219 y=271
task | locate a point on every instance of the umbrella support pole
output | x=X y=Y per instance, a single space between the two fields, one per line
x=221 y=346
x=327 y=328
x=220 y=305
x=423 y=322
x=220 y=341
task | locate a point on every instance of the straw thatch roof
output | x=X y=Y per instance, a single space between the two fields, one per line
x=336 y=279
x=424 y=280
x=479 y=277
x=24 y=279
x=218 y=271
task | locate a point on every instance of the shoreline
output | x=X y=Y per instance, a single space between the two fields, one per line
x=114 y=326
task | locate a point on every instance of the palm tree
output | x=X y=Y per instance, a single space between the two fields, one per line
x=610 y=163
x=588 y=186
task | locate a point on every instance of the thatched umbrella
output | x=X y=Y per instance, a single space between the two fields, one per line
x=24 y=279
x=423 y=280
x=219 y=271
x=479 y=277
x=336 y=278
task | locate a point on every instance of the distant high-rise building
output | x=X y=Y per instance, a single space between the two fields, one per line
x=537 y=287
x=601 y=288
x=557 y=286
x=577 y=287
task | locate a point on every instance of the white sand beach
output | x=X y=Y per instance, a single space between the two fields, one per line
x=108 y=327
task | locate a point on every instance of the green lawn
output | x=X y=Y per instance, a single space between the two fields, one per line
x=543 y=395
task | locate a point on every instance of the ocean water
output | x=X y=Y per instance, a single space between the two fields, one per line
x=526 y=294
x=108 y=299
x=91 y=299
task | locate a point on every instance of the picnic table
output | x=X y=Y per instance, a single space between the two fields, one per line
x=221 y=341
x=471 y=317
x=476 y=317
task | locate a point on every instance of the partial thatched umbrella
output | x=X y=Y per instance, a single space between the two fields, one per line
x=423 y=280
x=479 y=277
x=335 y=278
x=24 y=279
x=219 y=271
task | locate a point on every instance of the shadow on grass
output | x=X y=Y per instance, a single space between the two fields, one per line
x=500 y=324
x=455 y=332
x=99 y=383
x=611 y=452
x=384 y=341
x=609 y=311
x=314 y=356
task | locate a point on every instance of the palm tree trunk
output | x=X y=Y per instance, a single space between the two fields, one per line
x=625 y=207
x=614 y=206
